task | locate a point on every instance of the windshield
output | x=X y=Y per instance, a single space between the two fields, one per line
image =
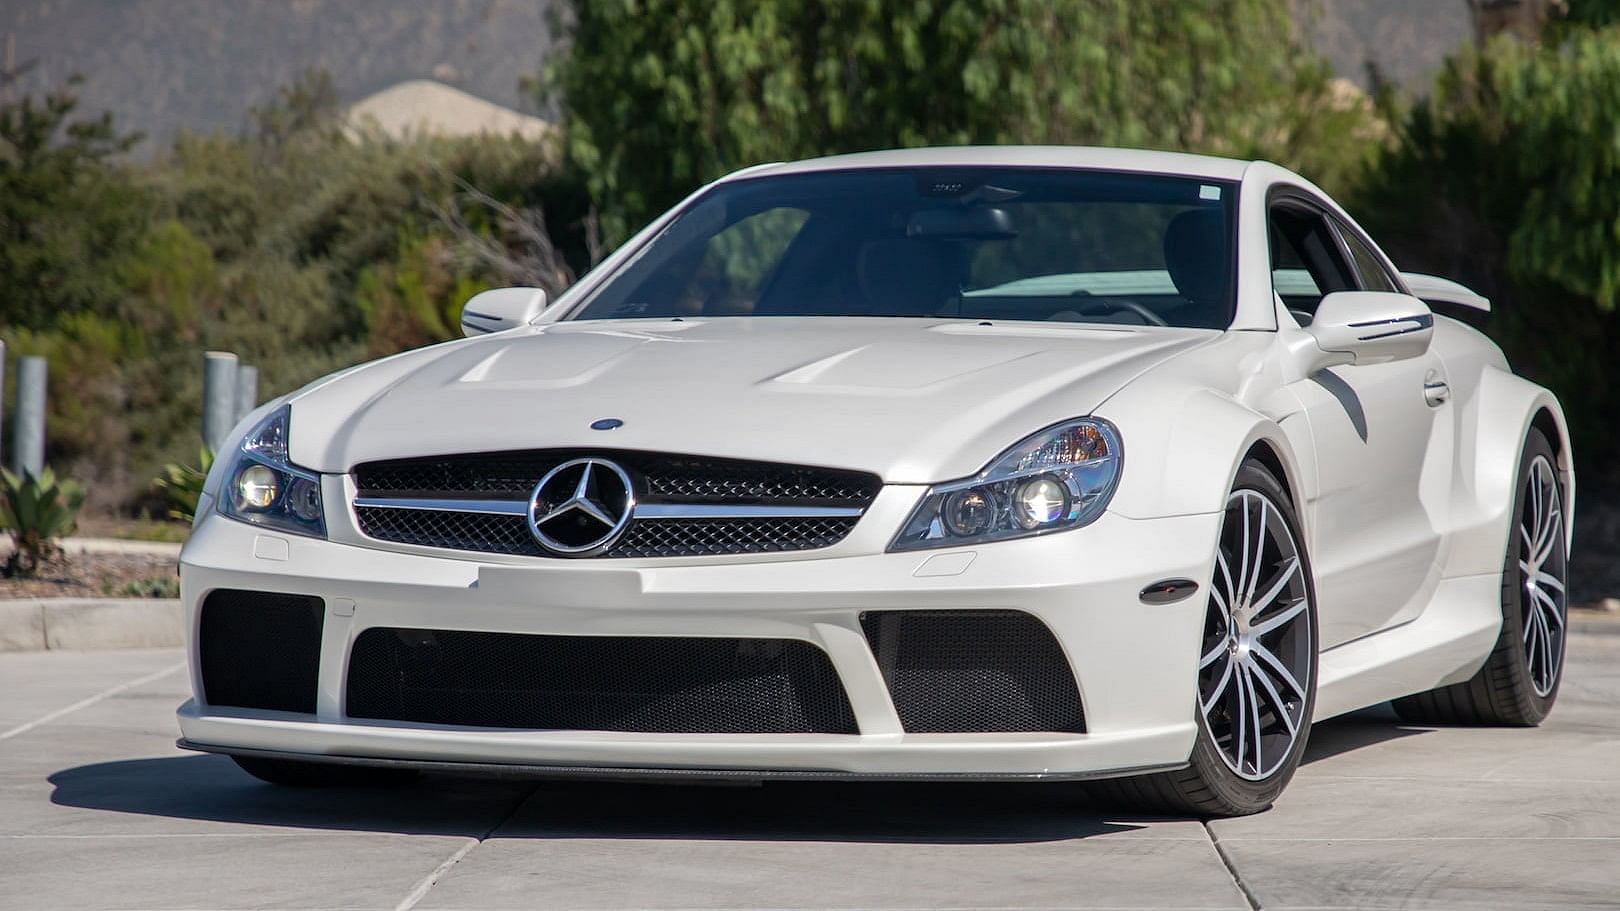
x=970 y=243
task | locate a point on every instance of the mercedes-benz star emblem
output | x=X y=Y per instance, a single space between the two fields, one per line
x=581 y=507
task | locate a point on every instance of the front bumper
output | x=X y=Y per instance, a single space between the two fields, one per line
x=1135 y=664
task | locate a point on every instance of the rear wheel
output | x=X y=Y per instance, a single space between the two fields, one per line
x=292 y=773
x=1256 y=670
x=1519 y=682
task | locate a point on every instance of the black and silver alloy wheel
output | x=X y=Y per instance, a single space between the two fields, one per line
x=1257 y=640
x=1542 y=570
x=1519 y=681
x=1256 y=685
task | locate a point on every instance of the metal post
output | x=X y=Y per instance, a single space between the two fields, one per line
x=247 y=390
x=219 y=398
x=2 y=396
x=28 y=441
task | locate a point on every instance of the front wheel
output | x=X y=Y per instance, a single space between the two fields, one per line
x=1257 y=665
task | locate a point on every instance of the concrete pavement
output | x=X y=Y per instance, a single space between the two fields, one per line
x=98 y=810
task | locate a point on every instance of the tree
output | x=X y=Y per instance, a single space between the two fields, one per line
x=660 y=96
x=1507 y=178
x=67 y=212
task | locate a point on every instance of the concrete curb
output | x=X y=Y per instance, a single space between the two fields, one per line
x=48 y=624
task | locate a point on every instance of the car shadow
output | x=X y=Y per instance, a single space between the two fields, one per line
x=1357 y=730
x=211 y=788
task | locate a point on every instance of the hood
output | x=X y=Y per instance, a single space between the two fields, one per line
x=913 y=400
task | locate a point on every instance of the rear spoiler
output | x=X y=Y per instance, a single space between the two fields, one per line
x=1443 y=290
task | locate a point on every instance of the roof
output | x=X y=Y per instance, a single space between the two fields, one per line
x=1022 y=156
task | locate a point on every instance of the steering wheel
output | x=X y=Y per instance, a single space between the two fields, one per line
x=1115 y=305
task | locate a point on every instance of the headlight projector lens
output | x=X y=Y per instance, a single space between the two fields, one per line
x=968 y=512
x=1039 y=502
x=256 y=487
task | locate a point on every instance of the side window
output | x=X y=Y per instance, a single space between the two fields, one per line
x=1306 y=263
x=1374 y=277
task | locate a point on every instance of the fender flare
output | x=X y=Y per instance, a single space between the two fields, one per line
x=1493 y=427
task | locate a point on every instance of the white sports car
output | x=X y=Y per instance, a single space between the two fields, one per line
x=982 y=463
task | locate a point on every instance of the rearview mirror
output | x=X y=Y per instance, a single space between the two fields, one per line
x=958 y=223
x=501 y=308
x=1371 y=327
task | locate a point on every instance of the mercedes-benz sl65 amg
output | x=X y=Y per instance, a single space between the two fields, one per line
x=994 y=463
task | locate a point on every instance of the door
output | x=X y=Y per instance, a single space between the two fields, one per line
x=1376 y=428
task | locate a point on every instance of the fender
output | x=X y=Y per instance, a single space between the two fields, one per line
x=1184 y=462
x=1493 y=425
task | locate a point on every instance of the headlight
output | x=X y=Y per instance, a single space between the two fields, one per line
x=264 y=488
x=1057 y=479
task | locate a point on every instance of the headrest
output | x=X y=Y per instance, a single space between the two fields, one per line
x=908 y=276
x=1195 y=254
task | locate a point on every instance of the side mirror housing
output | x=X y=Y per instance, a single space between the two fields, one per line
x=501 y=308
x=1370 y=327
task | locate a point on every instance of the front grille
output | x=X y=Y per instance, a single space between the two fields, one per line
x=260 y=650
x=660 y=480
x=974 y=670
x=596 y=683
x=665 y=478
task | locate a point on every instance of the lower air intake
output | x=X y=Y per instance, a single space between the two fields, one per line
x=963 y=671
x=597 y=683
x=260 y=650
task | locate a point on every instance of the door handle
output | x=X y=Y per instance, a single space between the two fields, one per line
x=1436 y=393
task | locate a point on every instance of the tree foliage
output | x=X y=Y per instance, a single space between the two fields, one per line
x=1507 y=178
x=660 y=96
x=301 y=245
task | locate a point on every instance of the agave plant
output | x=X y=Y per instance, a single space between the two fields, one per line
x=37 y=510
x=182 y=485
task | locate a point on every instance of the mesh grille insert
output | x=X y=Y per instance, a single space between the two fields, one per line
x=959 y=671
x=596 y=683
x=260 y=650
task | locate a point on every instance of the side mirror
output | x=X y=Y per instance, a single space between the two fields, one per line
x=501 y=308
x=1370 y=327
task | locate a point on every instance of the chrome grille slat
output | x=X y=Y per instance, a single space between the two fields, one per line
x=686 y=505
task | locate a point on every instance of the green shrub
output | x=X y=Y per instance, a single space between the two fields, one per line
x=36 y=511
x=182 y=485
x=155 y=587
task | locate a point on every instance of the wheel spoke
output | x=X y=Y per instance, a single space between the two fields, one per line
x=1282 y=580
x=1259 y=551
x=1281 y=670
x=1214 y=654
x=1547 y=536
x=1278 y=706
x=1278 y=619
x=1226 y=574
x=1545 y=604
x=1220 y=689
x=1240 y=723
x=1254 y=713
x=1543 y=579
x=1544 y=638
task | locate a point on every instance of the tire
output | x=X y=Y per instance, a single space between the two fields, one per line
x=296 y=774
x=1514 y=688
x=1236 y=658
